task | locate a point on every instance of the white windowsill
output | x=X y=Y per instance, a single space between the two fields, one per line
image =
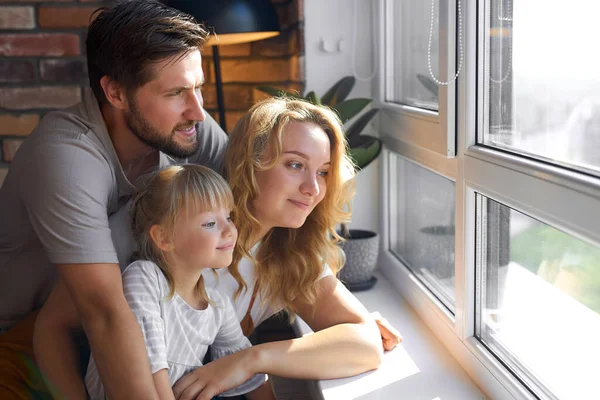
x=419 y=368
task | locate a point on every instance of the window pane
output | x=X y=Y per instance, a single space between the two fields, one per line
x=423 y=226
x=544 y=76
x=411 y=83
x=539 y=301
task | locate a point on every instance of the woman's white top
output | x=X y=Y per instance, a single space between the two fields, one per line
x=177 y=336
x=225 y=284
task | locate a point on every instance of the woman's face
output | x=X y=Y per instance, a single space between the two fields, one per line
x=292 y=188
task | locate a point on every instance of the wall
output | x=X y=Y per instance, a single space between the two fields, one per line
x=332 y=21
x=42 y=64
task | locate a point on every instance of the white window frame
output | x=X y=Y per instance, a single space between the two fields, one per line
x=517 y=182
x=399 y=123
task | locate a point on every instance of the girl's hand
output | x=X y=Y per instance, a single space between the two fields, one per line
x=215 y=377
x=390 y=337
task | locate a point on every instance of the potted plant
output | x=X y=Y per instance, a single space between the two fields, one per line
x=361 y=246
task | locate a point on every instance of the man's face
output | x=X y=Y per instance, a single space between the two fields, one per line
x=164 y=113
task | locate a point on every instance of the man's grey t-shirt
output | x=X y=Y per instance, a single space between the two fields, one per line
x=64 y=183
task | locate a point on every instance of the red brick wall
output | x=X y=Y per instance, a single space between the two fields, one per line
x=42 y=64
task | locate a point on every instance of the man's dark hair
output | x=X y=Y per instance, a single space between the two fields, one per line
x=128 y=37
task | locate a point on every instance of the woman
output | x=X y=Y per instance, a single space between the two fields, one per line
x=291 y=178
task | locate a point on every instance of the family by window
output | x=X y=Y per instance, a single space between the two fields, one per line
x=134 y=227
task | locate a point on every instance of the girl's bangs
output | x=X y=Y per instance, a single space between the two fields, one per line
x=204 y=193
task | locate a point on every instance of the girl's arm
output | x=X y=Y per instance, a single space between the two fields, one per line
x=230 y=339
x=346 y=341
x=54 y=345
x=163 y=386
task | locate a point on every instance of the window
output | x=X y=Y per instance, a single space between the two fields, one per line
x=543 y=81
x=411 y=83
x=420 y=43
x=539 y=300
x=423 y=226
x=500 y=244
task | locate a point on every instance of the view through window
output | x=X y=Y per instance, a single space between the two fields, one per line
x=543 y=81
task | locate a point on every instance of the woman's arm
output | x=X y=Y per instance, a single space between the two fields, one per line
x=346 y=342
x=390 y=337
x=55 y=348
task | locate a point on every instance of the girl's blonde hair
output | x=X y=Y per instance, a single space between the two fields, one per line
x=289 y=261
x=162 y=196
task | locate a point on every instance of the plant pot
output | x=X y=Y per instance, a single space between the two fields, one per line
x=434 y=241
x=362 y=251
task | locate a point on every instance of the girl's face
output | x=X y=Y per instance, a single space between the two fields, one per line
x=204 y=239
x=292 y=188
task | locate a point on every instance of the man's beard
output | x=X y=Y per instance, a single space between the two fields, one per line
x=150 y=136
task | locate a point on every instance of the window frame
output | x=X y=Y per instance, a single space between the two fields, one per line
x=400 y=122
x=518 y=182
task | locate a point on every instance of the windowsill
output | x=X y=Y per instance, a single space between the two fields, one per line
x=420 y=367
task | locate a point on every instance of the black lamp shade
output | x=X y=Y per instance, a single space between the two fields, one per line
x=234 y=21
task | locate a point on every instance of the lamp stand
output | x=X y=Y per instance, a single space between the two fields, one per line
x=220 y=99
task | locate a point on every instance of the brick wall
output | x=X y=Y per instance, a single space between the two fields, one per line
x=42 y=64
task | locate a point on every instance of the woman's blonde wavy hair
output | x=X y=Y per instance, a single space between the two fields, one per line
x=164 y=194
x=289 y=261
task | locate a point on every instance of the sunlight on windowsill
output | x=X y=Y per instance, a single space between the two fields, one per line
x=397 y=365
x=419 y=365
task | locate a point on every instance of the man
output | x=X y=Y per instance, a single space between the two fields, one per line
x=78 y=168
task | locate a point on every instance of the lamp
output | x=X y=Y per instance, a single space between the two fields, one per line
x=233 y=22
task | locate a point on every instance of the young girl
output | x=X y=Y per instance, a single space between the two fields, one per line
x=182 y=224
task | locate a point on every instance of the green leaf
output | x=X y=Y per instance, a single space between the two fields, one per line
x=429 y=84
x=272 y=91
x=357 y=127
x=276 y=92
x=350 y=108
x=313 y=98
x=339 y=91
x=363 y=157
x=362 y=141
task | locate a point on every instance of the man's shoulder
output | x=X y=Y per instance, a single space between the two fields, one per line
x=65 y=129
x=69 y=122
x=63 y=135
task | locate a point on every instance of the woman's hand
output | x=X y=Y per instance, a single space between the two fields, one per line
x=390 y=337
x=216 y=377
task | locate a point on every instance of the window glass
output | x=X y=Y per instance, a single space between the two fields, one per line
x=543 y=80
x=411 y=83
x=423 y=226
x=539 y=301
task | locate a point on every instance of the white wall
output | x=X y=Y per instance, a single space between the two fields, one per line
x=334 y=21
